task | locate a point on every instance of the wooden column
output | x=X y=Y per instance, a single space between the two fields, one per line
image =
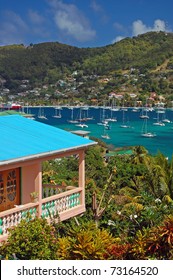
x=32 y=182
x=82 y=175
x=38 y=188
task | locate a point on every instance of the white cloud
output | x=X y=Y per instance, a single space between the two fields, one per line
x=117 y=39
x=12 y=29
x=160 y=25
x=71 y=21
x=16 y=30
x=38 y=24
x=138 y=27
x=16 y=20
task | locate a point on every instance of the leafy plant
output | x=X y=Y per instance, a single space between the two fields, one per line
x=154 y=243
x=138 y=247
x=160 y=241
x=64 y=248
x=34 y=195
x=117 y=251
x=30 y=240
x=85 y=243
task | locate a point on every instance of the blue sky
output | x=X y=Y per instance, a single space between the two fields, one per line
x=81 y=23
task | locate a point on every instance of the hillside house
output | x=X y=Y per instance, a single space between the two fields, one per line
x=24 y=145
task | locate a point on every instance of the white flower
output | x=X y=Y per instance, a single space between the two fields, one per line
x=118 y=212
x=157 y=200
x=111 y=223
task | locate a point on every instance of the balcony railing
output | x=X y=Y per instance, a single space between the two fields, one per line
x=62 y=205
x=49 y=189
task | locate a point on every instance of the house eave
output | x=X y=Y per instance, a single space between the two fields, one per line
x=45 y=154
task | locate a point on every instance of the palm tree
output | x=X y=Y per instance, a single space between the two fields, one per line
x=170 y=181
x=156 y=178
x=140 y=155
x=167 y=171
x=157 y=181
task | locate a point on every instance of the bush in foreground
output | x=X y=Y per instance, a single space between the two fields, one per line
x=30 y=240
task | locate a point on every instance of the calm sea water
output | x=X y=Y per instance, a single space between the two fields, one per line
x=119 y=137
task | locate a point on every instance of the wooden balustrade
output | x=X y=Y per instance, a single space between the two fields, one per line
x=12 y=217
x=64 y=205
x=49 y=189
x=60 y=203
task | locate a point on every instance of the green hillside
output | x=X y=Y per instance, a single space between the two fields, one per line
x=143 y=52
x=46 y=63
x=18 y=62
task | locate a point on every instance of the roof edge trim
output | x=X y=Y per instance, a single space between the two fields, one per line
x=41 y=155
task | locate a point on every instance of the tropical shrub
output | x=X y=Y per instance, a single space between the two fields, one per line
x=30 y=240
x=160 y=241
x=85 y=242
x=138 y=246
x=117 y=251
x=154 y=243
x=64 y=248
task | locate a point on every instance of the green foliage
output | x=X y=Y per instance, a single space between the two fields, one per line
x=156 y=243
x=95 y=165
x=138 y=247
x=160 y=240
x=128 y=174
x=39 y=61
x=48 y=62
x=142 y=52
x=85 y=243
x=31 y=240
x=64 y=248
x=60 y=171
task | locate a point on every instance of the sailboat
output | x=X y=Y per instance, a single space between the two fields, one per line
x=29 y=115
x=57 y=113
x=41 y=114
x=124 y=124
x=72 y=116
x=103 y=121
x=81 y=124
x=165 y=119
x=135 y=108
x=144 y=115
x=158 y=122
x=114 y=107
x=145 y=132
x=105 y=135
x=112 y=118
x=86 y=112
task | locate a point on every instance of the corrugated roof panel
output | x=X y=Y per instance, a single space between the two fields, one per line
x=21 y=137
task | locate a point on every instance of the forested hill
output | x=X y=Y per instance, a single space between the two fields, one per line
x=49 y=60
x=35 y=61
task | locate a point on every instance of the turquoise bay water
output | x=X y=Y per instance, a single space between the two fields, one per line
x=119 y=137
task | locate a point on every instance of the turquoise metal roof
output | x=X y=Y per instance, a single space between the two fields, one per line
x=22 y=138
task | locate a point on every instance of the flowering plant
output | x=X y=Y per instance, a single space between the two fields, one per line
x=34 y=195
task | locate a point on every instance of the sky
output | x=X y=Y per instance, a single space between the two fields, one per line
x=81 y=23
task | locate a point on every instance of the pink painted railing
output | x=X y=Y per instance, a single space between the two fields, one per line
x=63 y=205
x=12 y=217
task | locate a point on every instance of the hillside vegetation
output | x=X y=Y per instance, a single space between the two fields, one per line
x=144 y=52
x=140 y=65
